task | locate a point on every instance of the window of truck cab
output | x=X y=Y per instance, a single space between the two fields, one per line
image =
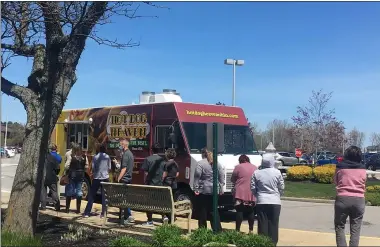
x=78 y=133
x=237 y=139
x=162 y=133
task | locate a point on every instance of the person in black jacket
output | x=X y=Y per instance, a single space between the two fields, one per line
x=170 y=175
x=52 y=168
x=153 y=168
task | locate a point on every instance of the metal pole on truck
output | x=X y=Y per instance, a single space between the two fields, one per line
x=215 y=174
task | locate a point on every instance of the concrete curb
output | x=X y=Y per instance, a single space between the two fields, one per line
x=295 y=199
x=313 y=200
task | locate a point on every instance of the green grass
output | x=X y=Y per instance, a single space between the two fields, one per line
x=12 y=239
x=314 y=190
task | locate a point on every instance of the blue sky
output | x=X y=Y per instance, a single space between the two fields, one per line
x=289 y=49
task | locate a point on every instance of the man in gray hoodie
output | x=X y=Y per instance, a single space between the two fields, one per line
x=267 y=186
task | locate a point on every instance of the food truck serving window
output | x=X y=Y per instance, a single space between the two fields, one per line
x=237 y=139
x=78 y=133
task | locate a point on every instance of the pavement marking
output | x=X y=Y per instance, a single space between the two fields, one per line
x=7 y=165
x=327 y=233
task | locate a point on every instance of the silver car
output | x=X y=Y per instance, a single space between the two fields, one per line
x=287 y=159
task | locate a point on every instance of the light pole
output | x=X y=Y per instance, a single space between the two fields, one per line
x=6 y=132
x=234 y=63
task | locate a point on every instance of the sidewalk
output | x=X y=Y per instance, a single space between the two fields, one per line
x=287 y=237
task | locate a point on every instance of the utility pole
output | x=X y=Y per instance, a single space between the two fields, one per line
x=6 y=132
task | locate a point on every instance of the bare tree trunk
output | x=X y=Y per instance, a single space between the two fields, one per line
x=25 y=197
x=26 y=190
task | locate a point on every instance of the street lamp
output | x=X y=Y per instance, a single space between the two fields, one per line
x=234 y=63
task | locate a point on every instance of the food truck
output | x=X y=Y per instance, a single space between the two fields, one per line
x=164 y=119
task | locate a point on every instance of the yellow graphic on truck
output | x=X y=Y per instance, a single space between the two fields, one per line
x=211 y=114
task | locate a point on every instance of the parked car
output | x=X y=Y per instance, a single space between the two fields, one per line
x=9 y=152
x=287 y=159
x=366 y=157
x=306 y=159
x=325 y=158
x=373 y=162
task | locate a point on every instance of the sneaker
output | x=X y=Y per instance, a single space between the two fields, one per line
x=130 y=220
x=165 y=220
x=86 y=215
x=148 y=223
x=101 y=216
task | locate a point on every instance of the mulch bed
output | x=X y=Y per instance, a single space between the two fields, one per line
x=52 y=229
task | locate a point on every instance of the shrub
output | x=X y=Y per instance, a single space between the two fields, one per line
x=164 y=233
x=216 y=244
x=13 y=239
x=125 y=241
x=373 y=188
x=299 y=173
x=373 y=198
x=201 y=236
x=254 y=241
x=177 y=241
x=228 y=236
x=324 y=174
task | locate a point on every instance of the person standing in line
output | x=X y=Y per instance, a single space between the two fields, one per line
x=75 y=171
x=125 y=176
x=153 y=169
x=244 y=200
x=267 y=185
x=203 y=188
x=350 y=179
x=68 y=156
x=53 y=161
x=101 y=167
x=170 y=175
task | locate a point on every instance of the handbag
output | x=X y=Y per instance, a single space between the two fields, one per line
x=64 y=180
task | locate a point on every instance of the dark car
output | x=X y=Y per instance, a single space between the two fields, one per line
x=366 y=157
x=373 y=162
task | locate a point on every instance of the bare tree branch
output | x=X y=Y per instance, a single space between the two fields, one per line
x=25 y=95
x=26 y=51
x=53 y=28
x=5 y=60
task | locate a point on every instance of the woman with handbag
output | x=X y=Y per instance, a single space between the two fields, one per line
x=75 y=173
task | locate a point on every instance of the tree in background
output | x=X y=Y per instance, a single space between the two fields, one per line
x=355 y=137
x=280 y=133
x=316 y=126
x=375 y=140
x=54 y=35
x=16 y=137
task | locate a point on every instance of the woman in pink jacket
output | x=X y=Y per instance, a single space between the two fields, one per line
x=243 y=198
x=350 y=179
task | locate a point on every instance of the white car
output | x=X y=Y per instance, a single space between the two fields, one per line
x=287 y=159
x=10 y=152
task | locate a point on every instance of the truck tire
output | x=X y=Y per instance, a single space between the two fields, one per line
x=185 y=194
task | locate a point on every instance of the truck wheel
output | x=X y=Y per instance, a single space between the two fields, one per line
x=85 y=188
x=185 y=194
